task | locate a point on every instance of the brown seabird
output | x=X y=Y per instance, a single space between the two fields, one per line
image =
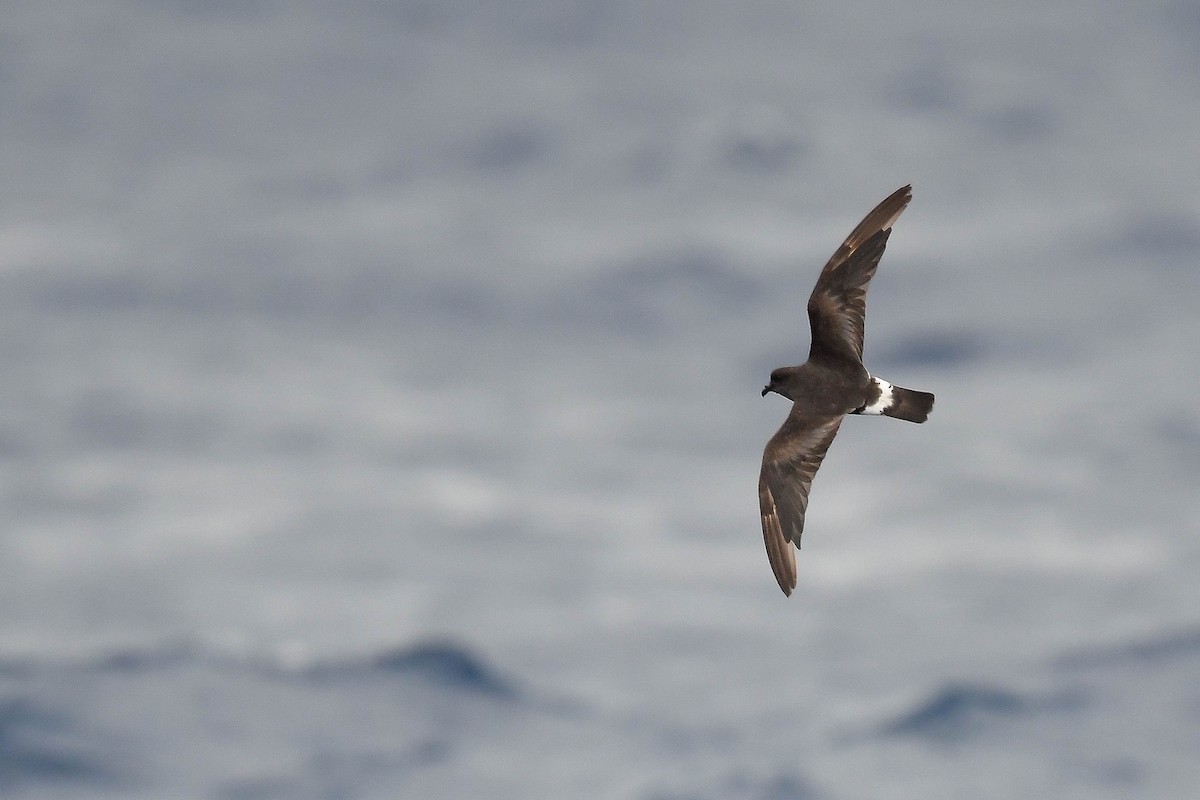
x=827 y=387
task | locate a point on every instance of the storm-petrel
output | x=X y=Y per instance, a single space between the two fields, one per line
x=827 y=387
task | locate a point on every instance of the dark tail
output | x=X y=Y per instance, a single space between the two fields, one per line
x=909 y=404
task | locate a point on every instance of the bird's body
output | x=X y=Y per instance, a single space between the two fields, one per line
x=827 y=387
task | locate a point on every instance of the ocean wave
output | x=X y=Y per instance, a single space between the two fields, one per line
x=961 y=709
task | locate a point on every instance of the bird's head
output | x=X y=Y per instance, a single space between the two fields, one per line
x=779 y=382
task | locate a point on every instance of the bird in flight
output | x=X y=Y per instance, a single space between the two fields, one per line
x=827 y=387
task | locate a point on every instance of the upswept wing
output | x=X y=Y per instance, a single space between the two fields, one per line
x=838 y=304
x=790 y=461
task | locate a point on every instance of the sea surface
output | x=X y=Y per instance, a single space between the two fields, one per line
x=380 y=415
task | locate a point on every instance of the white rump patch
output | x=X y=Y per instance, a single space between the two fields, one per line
x=885 y=398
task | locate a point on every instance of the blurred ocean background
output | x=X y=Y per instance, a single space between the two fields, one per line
x=380 y=412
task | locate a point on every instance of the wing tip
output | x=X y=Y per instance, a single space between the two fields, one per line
x=903 y=196
x=780 y=554
x=785 y=575
x=881 y=218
